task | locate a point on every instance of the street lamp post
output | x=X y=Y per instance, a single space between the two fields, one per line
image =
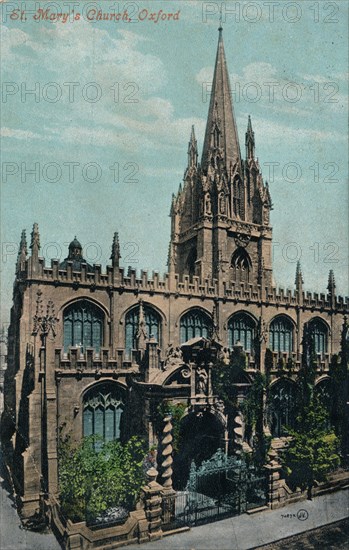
x=43 y=325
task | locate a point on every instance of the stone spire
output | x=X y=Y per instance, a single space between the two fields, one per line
x=221 y=131
x=22 y=253
x=249 y=141
x=115 y=251
x=192 y=150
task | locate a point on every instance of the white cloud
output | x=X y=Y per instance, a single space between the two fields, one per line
x=18 y=134
x=274 y=131
x=204 y=75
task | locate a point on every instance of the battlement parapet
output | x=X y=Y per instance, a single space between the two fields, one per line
x=188 y=286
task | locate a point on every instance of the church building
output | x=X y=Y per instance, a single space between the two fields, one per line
x=95 y=352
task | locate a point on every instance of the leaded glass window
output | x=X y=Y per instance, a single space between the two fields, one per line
x=281 y=334
x=241 y=328
x=83 y=325
x=195 y=323
x=103 y=409
x=282 y=407
x=152 y=322
x=241 y=266
x=319 y=332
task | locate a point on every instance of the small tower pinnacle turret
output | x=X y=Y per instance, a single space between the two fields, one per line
x=299 y=282
x=331 y=282
x=141 y=335
x=331 y=287
x=35 y=241
x=299 y=276
x=249 y=141
x=115 y=251
x=192 y=150
x=33 y=262
x=22 y=253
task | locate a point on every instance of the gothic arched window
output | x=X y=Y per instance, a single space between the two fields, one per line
x=195 y=323
x=241 y=328
x=152 y=325
x=83 y=325
x=103 y=406
x=319 y=331
x=282 y=407
x=281 y=334
x=241 y=266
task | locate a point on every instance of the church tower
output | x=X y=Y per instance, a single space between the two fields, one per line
x=220 y=216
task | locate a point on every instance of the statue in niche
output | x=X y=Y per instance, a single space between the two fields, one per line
x=201 y=381
x=266 y=217
x=222 y=203
x=208 y=204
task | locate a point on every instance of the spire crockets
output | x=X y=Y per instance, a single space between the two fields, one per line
x=115 y=251
x=221 y=132
x=22 y=253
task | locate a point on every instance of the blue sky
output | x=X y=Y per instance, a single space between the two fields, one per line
x=166 y=67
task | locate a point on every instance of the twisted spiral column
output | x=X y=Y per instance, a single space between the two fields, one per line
x=166 y=453
x=238 y=432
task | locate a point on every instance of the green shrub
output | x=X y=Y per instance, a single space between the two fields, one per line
x=96 y=475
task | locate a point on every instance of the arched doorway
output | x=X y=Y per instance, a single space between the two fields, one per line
x=200 y=436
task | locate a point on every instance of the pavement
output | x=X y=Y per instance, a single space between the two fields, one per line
x=12 y=536
x=236 y=533
x=246 y=532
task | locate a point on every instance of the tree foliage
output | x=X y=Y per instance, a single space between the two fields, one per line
x=94 y=475
x=253 y=410
x=307 y=373
x=225 y=376
x=313 y=450
x=339 y=393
